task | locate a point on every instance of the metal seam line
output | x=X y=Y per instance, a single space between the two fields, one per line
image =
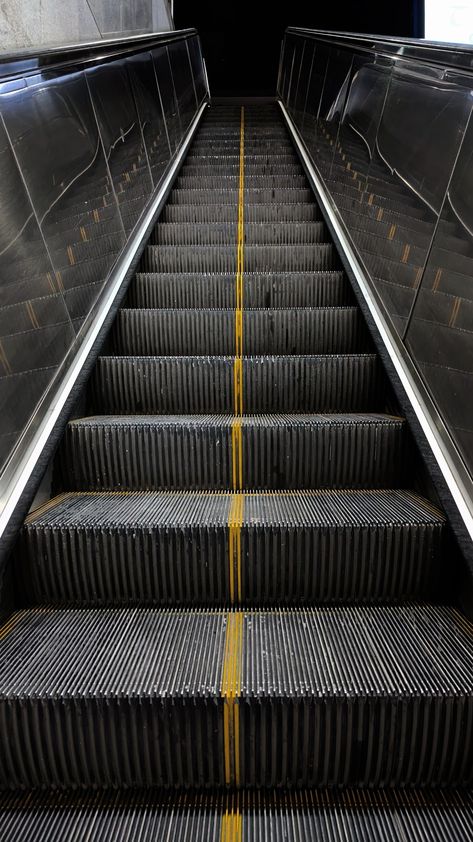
x=230 y=691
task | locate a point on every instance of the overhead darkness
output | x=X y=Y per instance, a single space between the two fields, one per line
x=242 y=41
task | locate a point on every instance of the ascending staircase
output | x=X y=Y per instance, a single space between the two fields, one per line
x=236 y=585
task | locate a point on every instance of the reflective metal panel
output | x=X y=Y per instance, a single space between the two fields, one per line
x=122 y=140
x=195 y=54
x=183 y=82
x=55 y=136
x=150 y=113
x=440 y=333
x=80 y=155
x=168 y=96
x=391 y=145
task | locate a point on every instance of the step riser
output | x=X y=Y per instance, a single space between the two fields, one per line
x=254 y=196
x=229 y=213
x=129 y=385
x=314 y=258
x=167 y=234
x=209 y=332
x=170 y=456
x=173 y=565
x=213 y=291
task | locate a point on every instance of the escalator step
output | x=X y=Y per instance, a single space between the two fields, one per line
x=211 y=291
x=173 y=548
x=264 y=195
x=135 y=816
x=221 y=233
x=141 y=452
x=327 y=383
x=329 y=330
x=353 y=696
x=265 y=258
x=252 y=213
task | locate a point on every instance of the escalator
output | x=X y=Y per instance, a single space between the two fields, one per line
x=232 y=620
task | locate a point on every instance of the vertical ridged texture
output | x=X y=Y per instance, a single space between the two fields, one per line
x=205 y=384
x=175 y=548
x=328 y=330
x=214 y=291
x=359 y=696
x=195 y=451
x=351 y=816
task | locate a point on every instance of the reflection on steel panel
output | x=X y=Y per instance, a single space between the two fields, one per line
x=168 y=96
x=440 y=333
x=396 y=155
x=54 y=133
x=78 y=166
x=195 y=56
x=122 y=140
x=183 y=82
x=145 y=88
x=35 y=328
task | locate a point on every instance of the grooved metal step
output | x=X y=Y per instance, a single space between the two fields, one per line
x=252 y=213
x=354 y=696
x=263 y=195
x=263 y=258
x=174 y=548
x=204 y=451
x=330 y=330
x=326 y=383
x=135 y=816
x=221 y=233
x=217 y=290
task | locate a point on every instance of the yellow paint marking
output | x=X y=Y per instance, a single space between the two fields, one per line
x=235 y=523
x=239 y=332
x=230 y=690
x=455 y=311
x=4 y=360
x=232 y=825
x=96 y=215
x=417 y=277
x=59 y=281
x=437 y=278
x=50 y=281
x=70 y=255
x=392 y=232
x=237 y=455
x=10 y=624
x=83 y=233
x=32 y=314
x=238 y=386
x=405 y=254
x=380 y=214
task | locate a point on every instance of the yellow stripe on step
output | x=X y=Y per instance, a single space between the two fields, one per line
x=230 y=691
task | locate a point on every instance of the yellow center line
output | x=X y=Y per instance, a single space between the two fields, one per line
x=237 y=455
x=230 y=691
x=232 y=827
x=235 y=523
x=239 y=270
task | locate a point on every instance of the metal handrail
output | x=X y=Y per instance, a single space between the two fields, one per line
x=458 y=56
x=25 y=62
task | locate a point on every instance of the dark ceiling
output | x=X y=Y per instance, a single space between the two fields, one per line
x=242 y=40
